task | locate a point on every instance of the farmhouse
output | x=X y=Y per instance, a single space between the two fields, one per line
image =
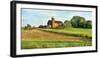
x=54 y=23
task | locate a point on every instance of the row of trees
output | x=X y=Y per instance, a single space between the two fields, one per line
x=78 y=22
x=27 y=27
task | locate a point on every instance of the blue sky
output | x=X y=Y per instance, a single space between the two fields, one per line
x=36 y=17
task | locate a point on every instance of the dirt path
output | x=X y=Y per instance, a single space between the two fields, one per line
x=38 y=35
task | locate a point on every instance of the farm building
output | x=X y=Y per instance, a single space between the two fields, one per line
x=54 y=23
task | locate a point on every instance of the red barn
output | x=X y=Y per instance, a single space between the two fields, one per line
x=54 y=24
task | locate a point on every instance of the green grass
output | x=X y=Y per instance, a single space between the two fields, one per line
x=83 y=32
x=34 y=39
x=29 y=44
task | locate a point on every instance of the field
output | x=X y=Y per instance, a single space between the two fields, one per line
x=82 y=32
x=55 y=38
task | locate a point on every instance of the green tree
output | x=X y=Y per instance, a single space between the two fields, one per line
x=88 y=24
x=78 y=21
x=67 y=24
x=28 y=26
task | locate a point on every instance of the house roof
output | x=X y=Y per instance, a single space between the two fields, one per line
x=50 y=21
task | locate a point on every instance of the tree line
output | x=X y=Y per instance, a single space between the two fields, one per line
x=78 y=22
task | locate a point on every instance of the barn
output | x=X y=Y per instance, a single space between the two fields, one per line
x=54 y=23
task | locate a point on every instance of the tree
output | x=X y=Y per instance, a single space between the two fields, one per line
x=67 y=24
x=88 y=24
x=42 y=26
x=78 y=21
x=81 y=22
x=28 y=26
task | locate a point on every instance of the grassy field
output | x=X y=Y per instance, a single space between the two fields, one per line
x=36 y=38
x=74 y=31
x=52 y=44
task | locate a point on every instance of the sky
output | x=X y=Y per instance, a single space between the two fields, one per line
x=36 y=17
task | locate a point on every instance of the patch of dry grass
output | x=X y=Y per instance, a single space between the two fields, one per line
x=38 y=35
